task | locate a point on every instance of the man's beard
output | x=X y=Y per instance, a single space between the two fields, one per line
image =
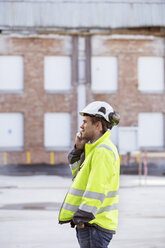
x=86 y=136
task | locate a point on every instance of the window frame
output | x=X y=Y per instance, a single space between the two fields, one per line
x=153 y=148
x=14 y=148
x=105 y=91
x=15 y=91
x=150 y=91
x=58 y=91
x=57 y=148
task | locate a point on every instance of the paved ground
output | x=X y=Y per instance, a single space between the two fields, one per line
x=29 y=208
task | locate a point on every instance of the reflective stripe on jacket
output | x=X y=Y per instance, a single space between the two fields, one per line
x=95 y=187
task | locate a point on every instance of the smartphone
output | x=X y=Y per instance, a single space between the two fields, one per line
x=79 y=135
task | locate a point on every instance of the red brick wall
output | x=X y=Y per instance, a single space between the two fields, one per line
x=129 y=101
x=34 y=101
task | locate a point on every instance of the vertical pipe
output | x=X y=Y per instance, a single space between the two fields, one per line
x=88 y=60
x=81 y=87
x=75 y=60
x=145 y=166
x=140 y=168
x=164 y=92
x=81 y=102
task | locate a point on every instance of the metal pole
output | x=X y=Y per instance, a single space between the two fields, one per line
x=140 y=168
x=145 y=166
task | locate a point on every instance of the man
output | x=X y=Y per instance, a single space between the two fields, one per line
x=91 y=203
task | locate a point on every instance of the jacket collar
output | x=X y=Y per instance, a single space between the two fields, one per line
x=90 y=147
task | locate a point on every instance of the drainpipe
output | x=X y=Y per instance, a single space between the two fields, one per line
x=164 y=92
x=81 y=87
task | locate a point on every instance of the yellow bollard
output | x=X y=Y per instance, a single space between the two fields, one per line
x=120 y=159
x=52 y=158
x=5 y=158
x=28 y=158
x=138 y=158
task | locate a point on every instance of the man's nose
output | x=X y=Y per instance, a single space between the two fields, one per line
x=82 y=126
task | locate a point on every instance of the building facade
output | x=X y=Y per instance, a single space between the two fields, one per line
x=46 y=77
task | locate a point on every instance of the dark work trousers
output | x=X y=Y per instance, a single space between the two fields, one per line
x=90 y=237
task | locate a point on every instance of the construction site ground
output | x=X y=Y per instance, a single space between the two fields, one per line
x=29 y=207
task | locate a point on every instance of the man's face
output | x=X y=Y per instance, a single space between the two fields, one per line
x=88 y=129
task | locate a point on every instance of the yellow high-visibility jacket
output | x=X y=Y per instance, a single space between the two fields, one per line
x=93 y=196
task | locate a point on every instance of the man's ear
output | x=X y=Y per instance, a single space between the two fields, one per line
x=99 y=125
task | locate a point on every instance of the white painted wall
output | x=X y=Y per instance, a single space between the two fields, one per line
x=57 y=73
x=151 y=74
x=11 y=131
x=104 y=74
x=11 y=73
x=57 y=131
x=151 y=130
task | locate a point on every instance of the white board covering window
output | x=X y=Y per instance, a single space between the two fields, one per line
x=11 y=131
x=151 y=130
x=11 y=73
x=114 y=135
x=57 y=73
x=57 y=131
x=151 y=74
x=104 y=74
x=128 y=139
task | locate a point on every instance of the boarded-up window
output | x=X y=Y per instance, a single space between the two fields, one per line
x=57 y=73
x=11 y=131
x=11 y=73
x=104 y=74
x=128 y=139
x=57 y=131
x=151 y=130
x=151 y=74
x=114 y=135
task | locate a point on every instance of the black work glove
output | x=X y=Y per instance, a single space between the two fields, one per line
x=72 y=224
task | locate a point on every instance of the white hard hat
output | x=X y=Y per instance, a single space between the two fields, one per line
x=104 y=110
x=98 y=108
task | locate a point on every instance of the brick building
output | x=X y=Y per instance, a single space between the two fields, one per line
x=51 y=67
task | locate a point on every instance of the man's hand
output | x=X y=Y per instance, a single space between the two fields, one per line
x=80 y=226
x=79 y=141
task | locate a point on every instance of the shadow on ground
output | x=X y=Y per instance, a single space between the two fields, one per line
x=35 y=169
x=64 y=170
